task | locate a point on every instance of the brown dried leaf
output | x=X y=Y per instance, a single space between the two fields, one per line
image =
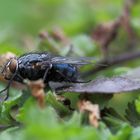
x=58 y=34
x=65 y=101
x=105 y=33
x=93 y=110
x=125 y=18
x=37 y=90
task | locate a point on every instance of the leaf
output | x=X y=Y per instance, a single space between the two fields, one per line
x=103 y=85
x=132 y=115
x=61 y=108
x=43 y=124
x=6 y=118
x=113 y=119
x=105 y=33
x=92 y=109
x=124 y=133
x=135 y=134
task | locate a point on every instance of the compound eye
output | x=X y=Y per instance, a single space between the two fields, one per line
x=13 y=65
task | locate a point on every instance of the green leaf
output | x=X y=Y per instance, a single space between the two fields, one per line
x=5 y=116
x=123 y=134
x=137 y=104
x=62 y=109
x=132 y=115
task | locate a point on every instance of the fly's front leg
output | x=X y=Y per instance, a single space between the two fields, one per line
x=46 y=72
x=8 y=86
x=7 y=91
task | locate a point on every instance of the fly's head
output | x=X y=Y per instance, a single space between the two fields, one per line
x=10 y=68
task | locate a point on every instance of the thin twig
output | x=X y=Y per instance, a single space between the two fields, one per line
x=113 y=61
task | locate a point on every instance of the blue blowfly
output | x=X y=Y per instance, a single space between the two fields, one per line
x=34 y=66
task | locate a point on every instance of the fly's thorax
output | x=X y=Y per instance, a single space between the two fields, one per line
x=31 y=70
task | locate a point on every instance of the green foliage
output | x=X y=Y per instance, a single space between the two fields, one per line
x=41 y=124
x=32 y=122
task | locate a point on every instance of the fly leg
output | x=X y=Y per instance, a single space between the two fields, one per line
x=8 y=86
x=64 y=76
x=4 y=68
x=46 y=72
x=7 y=91
x=72 y=81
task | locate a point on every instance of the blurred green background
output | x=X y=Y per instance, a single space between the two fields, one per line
x=74 y=16
x=21 y=21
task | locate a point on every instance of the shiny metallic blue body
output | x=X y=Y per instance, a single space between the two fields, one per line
x=33 y=66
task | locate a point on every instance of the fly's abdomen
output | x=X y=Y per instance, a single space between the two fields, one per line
x=63 y=72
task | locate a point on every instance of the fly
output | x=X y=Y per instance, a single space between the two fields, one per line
x=34 y=66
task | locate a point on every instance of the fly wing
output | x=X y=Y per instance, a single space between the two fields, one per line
x=73 y=60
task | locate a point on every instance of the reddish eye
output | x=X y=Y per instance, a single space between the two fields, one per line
x=13 y=65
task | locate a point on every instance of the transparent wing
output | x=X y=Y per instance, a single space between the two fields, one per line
x=74 y=60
